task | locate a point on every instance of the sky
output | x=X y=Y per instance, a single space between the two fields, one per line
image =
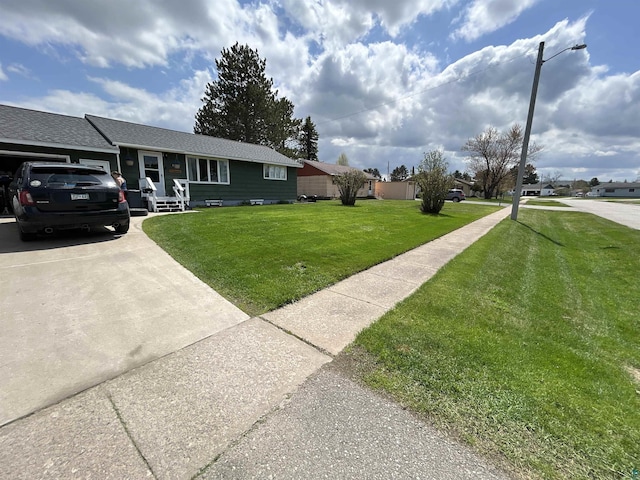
x=384 y=81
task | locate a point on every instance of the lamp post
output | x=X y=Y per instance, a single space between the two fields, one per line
x=527 y=131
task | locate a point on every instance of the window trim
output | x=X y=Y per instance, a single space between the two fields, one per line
x=218 y=161
x=265 y=170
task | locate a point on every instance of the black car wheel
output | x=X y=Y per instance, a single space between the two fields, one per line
x=26 y=236
x=122 y=228
x=456 y=199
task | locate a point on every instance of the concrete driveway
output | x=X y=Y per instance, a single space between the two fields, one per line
x=620 y=212
x=79 y=309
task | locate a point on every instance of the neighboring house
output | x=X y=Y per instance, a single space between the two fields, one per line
x=405 y=190
x=616 y=189
x=209 y=168
x=464 y=185
x=161 y=163
x=316 y=178
x=536 y=189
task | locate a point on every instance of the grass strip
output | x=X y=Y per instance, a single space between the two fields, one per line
x=526 y=347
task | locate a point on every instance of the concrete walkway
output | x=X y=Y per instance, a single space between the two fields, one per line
x=231 y=405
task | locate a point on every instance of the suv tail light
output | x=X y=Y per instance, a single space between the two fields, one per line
x=26 y=199
x=121 y=197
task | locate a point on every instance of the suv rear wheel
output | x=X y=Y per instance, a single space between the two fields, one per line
x=122 y=228
x=26 y=236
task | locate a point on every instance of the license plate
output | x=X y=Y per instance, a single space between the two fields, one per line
x=79 y=196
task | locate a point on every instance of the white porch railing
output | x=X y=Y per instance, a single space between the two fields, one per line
x=148 y=190
x=178 y=189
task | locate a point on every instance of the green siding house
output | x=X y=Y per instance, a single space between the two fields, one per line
x=212 y=171
x=164 y=169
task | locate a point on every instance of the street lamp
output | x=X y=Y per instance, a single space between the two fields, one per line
x=527 y=131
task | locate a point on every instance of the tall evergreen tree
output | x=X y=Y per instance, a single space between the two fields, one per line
x=399 y=173
x=309 y=140
x=242 y=105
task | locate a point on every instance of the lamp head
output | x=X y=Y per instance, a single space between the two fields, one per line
x=579 y=47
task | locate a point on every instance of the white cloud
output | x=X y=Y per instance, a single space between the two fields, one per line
x=381 y=103
x=174 y=108
x=19 y=70
x=3 y=76
x=486 y=16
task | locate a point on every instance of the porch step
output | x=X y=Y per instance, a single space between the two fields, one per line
x=167 y=204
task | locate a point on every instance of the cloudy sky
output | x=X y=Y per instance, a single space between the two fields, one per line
x=384 y=81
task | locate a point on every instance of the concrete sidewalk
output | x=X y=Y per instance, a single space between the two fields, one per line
x=231 y=406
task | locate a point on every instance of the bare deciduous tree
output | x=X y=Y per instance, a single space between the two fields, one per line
x=492 y=154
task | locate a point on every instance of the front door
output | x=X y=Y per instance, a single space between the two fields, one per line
x=151 y=166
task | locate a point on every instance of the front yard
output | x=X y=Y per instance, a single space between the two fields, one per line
x=263 y=257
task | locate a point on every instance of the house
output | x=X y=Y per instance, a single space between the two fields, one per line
x=536 y=189
x=210 y=170
x=164 y=167
x=405 y=190
x=616 y=189
x=316 y=178
x=465 y=185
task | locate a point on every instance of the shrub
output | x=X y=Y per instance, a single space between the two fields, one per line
x=348 y=185
x=434 y=181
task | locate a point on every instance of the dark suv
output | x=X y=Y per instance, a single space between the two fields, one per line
x=58 y=196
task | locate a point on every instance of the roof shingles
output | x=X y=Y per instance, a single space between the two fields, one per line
x=154 y=138
x=20 y=125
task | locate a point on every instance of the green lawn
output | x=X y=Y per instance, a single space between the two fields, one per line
x=548 y=203
x=266 y=256
x=525 y=346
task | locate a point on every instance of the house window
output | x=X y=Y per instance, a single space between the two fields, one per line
x=207 y=170
x=275 y=172
x=631 y=190
x=609 y=190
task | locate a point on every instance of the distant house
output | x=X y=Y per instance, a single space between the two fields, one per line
x=616 y=189
x=316 y=178
x=405 y=190
x=536 y=189
x=465 y=185
x=165 y=166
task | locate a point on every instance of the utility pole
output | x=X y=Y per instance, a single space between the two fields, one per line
x=527 y=133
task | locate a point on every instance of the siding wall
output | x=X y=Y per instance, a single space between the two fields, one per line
x=396 y=190
x=247 y=182
x=322 y=186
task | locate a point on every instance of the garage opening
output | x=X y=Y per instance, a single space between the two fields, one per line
x=9 y=163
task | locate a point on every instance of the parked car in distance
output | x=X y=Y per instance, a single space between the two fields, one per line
x=455 y=195
x=49 y=196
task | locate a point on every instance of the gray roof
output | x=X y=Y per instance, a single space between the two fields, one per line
x=617 y=185
x=32 y=127
x=134 y=135
x=334 y=169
